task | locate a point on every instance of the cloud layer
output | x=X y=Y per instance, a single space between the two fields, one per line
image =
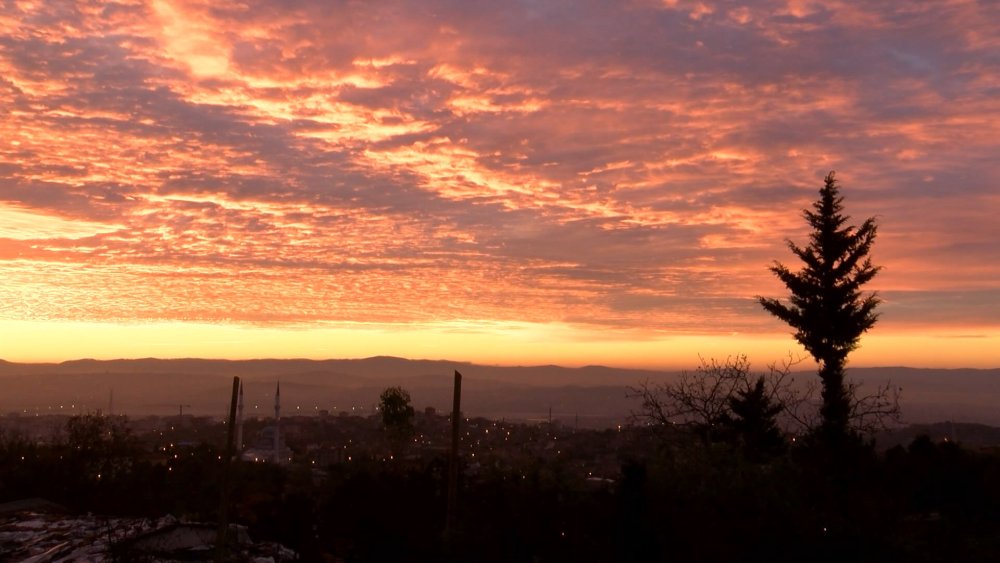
x=628 y=165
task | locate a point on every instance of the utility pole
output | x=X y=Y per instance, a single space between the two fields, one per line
x=277 y=423
x=239 y=421
x=221 y=536
x=456 y=413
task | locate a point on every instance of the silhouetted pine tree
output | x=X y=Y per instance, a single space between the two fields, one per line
x=753 y=419
x=827 y=309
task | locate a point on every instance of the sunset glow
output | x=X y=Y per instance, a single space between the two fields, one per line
x=541 y=182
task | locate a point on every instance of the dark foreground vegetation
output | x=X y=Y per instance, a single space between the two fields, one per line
x=542 y=493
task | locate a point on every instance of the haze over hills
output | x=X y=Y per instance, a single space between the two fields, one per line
x=592 y=396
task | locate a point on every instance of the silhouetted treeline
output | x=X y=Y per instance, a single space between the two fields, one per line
x=682 y=500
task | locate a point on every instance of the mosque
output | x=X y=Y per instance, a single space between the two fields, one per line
x=269 y=446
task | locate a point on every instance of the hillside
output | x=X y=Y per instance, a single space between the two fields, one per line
x=593 y=394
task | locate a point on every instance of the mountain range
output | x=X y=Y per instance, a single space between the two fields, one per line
x=592 y=396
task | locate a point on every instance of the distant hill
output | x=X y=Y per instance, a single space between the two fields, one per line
x=968 y=434
x=593 y=395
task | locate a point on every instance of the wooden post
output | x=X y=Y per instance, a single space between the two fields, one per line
x=456 y=413
x=227 y=461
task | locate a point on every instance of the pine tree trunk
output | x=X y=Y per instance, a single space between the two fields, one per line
x=836 y=405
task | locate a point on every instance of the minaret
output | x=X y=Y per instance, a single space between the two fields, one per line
x=277 y=423
x=239 y=421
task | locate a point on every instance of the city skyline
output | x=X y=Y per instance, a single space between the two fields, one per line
x=534 y=183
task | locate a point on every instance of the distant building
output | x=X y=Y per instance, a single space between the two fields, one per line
x=269 y=447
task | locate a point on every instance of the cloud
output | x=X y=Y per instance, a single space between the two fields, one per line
x=621 y=165
x=18 y=224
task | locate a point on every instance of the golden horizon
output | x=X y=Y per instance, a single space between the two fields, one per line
x=513 y=344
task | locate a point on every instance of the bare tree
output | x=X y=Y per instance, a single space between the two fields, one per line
x=705 y=399
x=876 y=411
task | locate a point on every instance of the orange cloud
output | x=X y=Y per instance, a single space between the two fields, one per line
x=625 y=170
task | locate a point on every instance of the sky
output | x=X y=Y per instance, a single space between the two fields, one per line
x=529 y=182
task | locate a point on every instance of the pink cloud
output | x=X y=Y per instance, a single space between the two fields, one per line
x=618 y=165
